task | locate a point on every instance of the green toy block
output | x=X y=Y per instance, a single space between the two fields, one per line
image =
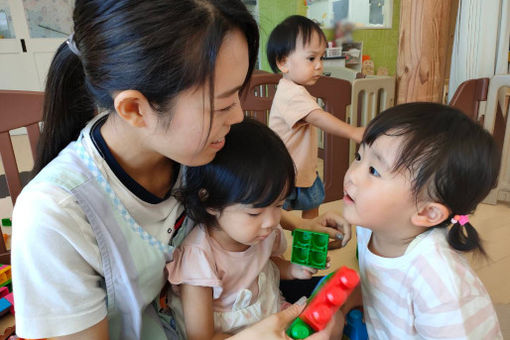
x=309 y=248
x=6 y=222
x=299 y=329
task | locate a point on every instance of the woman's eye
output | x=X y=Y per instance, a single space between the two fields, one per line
x=228 y=108
x=374 y=172
x=254 y=214
x=357 y=156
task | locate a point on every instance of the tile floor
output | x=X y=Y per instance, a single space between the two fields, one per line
x=492 y=222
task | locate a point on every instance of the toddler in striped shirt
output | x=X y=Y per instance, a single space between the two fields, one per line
x=421 y=169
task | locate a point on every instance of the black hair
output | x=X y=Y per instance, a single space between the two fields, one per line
x=282 y=40
x=451 y=159
x=158 y=47
x=254 y=167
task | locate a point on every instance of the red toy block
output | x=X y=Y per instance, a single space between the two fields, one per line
x=9 y=297
x=3 y=291
x=329 y=298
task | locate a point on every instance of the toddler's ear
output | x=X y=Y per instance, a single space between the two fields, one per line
x=430 y=214
x=214 y=212
x=282 y=65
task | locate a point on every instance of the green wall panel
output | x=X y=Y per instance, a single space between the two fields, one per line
x=380 y=44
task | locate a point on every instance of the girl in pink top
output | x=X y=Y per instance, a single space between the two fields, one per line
x=421 y=170
x=227 y=269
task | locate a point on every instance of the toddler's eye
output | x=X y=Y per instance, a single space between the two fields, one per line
x=374 y=172
x=311 y=58
x=357 y=156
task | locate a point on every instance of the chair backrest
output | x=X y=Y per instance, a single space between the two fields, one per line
x=17 y=109
x=497 y=122
x=468 y=96
x=335 y=93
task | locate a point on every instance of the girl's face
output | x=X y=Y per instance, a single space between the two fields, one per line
x=374 y=196
x=191 y=138
x=304 y=65
x=243 y=225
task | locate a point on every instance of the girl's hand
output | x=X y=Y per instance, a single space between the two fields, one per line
x=273 y=327
x=300 y=272
x=331 y=223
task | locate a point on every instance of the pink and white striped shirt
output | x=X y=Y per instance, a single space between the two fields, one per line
x=430 y=292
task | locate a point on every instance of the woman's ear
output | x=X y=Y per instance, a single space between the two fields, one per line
x=282 y=65
x=430 y=214
x=132 y=106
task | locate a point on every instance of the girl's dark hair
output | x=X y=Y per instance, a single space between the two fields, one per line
x=451 y=159
x=254 y=167
x=282 y=40
x=158 y=47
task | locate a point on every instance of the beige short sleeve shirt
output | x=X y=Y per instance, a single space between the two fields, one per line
x=291 y=104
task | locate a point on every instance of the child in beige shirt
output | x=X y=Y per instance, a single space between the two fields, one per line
x=296 y=48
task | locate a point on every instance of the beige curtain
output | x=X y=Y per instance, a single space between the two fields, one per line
x=481 y=42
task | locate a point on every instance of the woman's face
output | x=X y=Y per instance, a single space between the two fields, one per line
x=191 y=138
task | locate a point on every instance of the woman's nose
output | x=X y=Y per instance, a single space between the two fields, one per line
x=236 y=114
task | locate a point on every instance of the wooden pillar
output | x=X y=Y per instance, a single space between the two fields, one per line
x=424 y=49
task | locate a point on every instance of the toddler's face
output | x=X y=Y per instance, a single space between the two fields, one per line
x=246 y=225
x=374 y=196
x=304 y=65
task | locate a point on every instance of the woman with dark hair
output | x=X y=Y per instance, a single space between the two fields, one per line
x=139 y=89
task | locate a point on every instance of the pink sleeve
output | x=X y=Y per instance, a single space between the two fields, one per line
x=193 y=266
x=280 y=243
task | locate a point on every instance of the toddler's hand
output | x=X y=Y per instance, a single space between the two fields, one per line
x=357 y=134
x=300 y=272
x=331 y=223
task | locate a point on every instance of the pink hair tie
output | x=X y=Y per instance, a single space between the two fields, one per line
x=461 y=219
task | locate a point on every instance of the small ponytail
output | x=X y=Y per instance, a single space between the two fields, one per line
x=464 y=237
x=67 y=106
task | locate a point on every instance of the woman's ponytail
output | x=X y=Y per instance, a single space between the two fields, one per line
x=464 y=237
x=67 y=106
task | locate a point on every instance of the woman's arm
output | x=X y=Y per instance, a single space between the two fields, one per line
x=96 y=332
x=197 y=304
x=330 y=222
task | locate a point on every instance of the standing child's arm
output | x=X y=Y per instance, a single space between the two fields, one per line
x=330 y=124
x=197 y=304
